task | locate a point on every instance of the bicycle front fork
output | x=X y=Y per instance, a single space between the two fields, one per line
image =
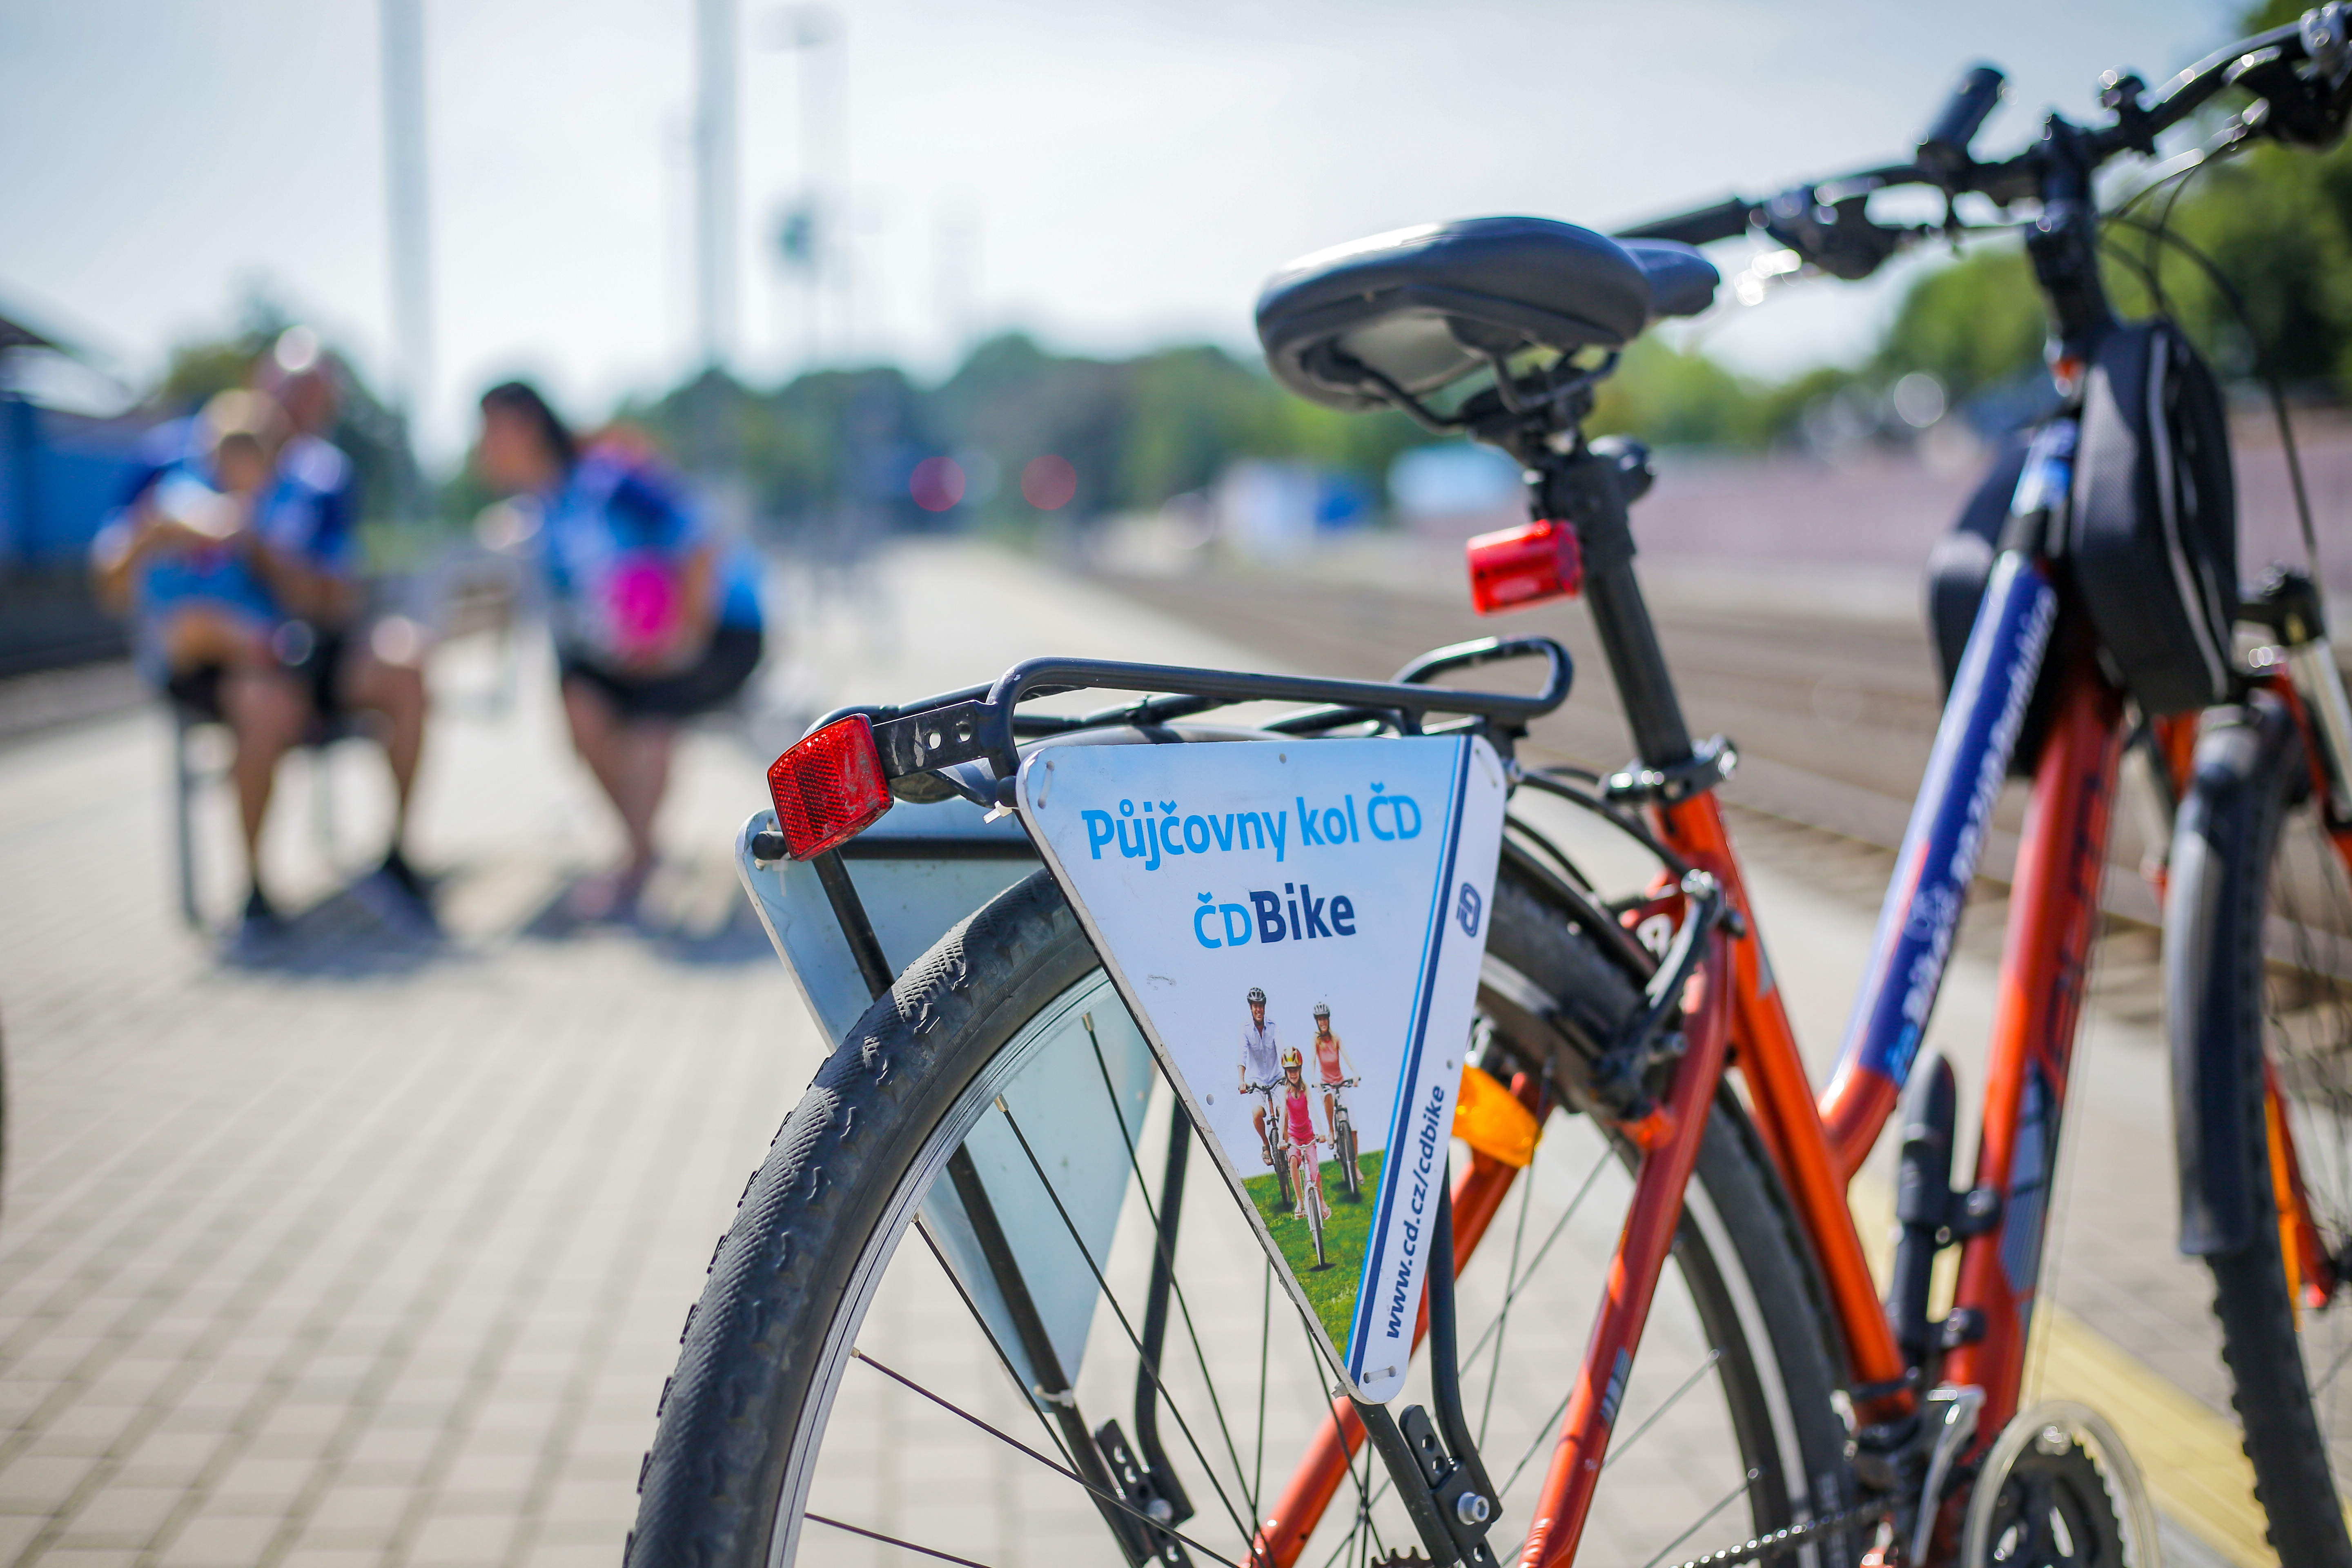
x=2288 y=603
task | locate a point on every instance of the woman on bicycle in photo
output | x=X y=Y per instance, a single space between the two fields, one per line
x=1298 y=1121
x=1332 y=1066
x=656 y=618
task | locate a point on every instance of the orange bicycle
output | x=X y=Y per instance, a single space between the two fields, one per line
x=981 y=1233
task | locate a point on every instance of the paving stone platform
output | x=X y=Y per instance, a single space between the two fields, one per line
x=376 y=1252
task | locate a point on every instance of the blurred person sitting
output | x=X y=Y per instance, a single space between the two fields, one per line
x=345 y=663
x=655 y=619
x=184 y=559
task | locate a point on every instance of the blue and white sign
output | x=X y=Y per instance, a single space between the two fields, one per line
x=1297 y=926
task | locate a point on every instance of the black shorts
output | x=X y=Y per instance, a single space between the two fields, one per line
x=318 y=670
x=712 y=681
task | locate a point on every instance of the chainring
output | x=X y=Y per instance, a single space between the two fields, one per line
x=2059 y=1490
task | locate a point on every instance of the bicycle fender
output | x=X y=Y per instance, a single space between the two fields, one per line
x=2207 y=911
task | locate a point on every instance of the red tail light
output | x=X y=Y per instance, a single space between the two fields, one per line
x=1522 y=567
x=829 y=787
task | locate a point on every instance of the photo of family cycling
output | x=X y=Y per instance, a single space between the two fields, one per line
x=1308 y=1146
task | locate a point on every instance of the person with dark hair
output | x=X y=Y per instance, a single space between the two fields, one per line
x=655 y=619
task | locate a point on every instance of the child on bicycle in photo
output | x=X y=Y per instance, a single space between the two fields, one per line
x=1260 y=1064
x=1298 y=1121
x=1332 y=1066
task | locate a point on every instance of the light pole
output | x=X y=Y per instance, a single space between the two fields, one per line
x=714 y=180
x=805 y=237
x=406 y=227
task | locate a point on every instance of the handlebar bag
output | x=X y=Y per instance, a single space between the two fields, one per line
x=2152 y=534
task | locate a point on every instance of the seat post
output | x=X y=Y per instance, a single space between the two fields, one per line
x=1591 y=488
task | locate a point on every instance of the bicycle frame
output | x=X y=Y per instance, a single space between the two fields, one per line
x=1736 y=1017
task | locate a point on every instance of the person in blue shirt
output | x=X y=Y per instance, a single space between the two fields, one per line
x=187 y=558
x=656 y=618
x=236 y=557
x=346 y=662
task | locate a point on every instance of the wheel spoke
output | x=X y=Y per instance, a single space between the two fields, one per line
x=1178 y=1127
x=2332 y=1368
x=1121 y=1313
x=892 y=1540
x=953 y=1408
x=1511 y=1293
x=1502 y=1317
x=1721 y=1503
x=1264 y=1343
x=1536 y=1442
x=1002 y=1360
x=1617 y=1450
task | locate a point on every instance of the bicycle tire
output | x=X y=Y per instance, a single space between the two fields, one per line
x=2250 y=772
x=724 y=1482
x=1309 y=1200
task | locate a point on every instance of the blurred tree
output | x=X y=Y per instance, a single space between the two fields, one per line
x=1970 y=324
x=1672 y=397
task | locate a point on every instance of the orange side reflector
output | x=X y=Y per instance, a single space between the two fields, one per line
x=1492 y=1121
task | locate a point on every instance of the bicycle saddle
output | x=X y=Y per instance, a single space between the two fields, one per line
x=1422 y=307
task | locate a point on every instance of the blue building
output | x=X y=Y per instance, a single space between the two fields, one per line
x=67 y=437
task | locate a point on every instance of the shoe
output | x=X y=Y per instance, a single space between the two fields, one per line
x=258 y=929
x=401 y=899
x=396 y=867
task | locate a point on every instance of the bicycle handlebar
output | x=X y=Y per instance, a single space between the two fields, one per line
x=1824 y=221
x=1945 y=145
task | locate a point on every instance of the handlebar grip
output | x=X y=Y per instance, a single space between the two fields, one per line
x=1724 y=220
x=1945 y=145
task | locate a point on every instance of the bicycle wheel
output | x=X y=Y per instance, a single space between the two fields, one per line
x=2257 y=930
x=1347 y=1142
x=842 y=1397
x=1310 y=1199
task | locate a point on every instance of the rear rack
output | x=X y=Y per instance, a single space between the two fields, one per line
x=983 y=723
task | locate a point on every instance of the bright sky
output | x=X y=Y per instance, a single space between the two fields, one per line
x=1109 y=174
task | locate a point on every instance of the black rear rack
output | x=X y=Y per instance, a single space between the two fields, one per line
x=983 y=723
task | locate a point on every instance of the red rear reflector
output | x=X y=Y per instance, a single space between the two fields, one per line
x=1522 y=567
x=829 y=787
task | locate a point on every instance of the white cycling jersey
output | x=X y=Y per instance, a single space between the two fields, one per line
x=1261 y=1053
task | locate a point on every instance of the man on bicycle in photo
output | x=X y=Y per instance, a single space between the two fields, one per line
x=1261 y=1061
x=1332 y=1066
x=1298 y=1121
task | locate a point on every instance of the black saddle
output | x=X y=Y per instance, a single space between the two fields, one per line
x=1415 y=309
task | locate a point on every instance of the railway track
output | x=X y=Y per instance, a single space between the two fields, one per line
x=1833 y=718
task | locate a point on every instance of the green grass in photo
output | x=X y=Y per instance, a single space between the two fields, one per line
x=1331 y=1289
